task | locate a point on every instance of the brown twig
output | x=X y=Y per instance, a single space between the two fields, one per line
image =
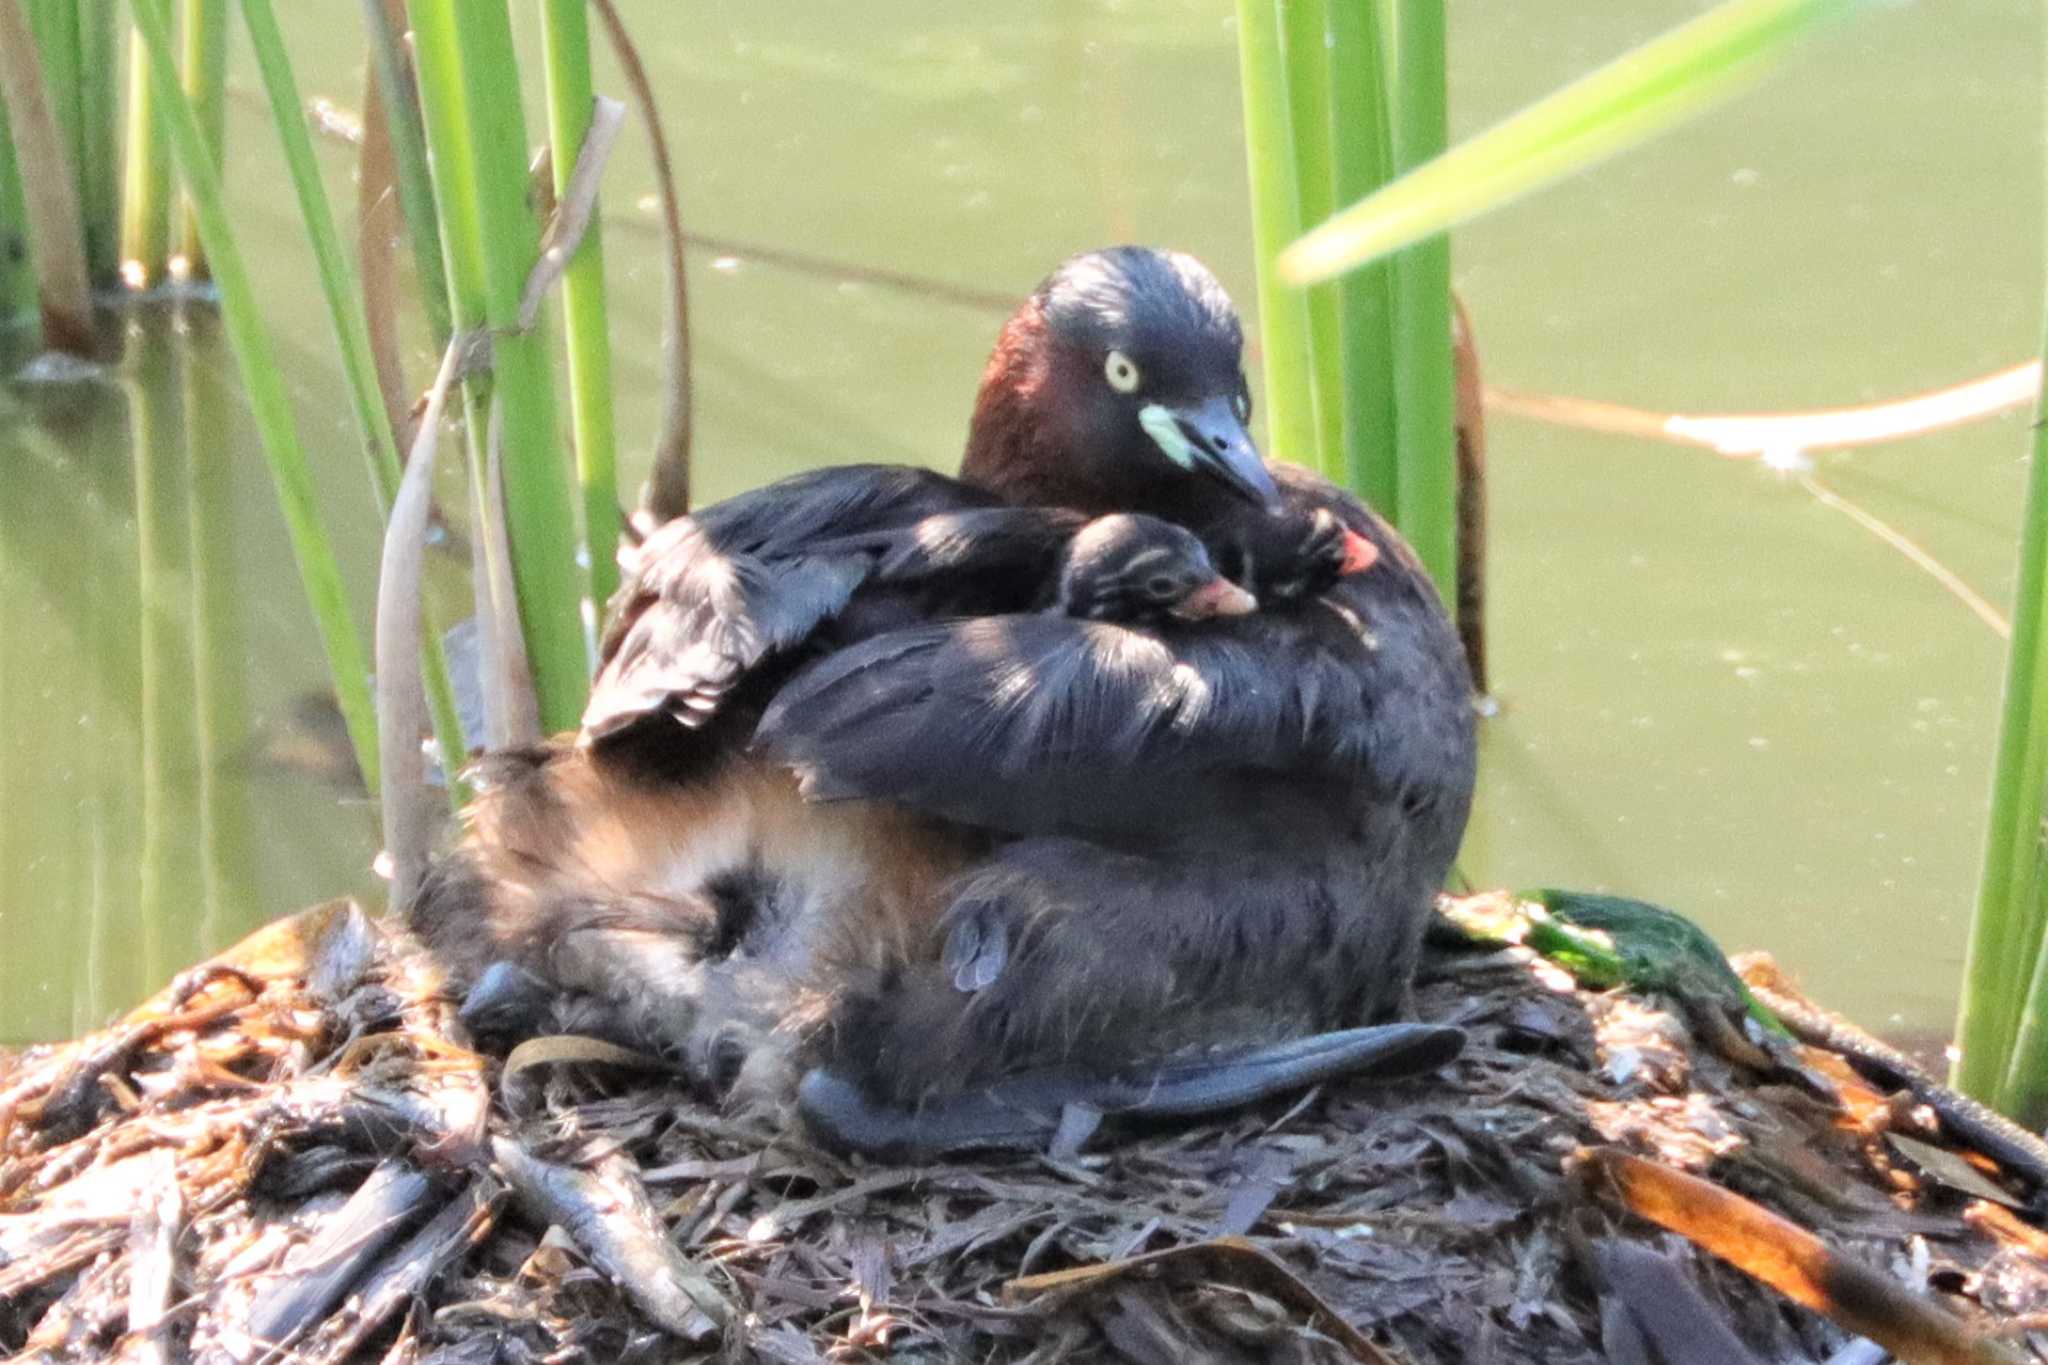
x=377 y=227
x=667 y=495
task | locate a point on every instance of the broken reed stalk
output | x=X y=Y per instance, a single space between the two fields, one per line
x=407 y=803
x=270 y=405
x=49 y=193
x=475 y=127
x=565 y=37
x=145 y=165
x=205 y=49
x=352 y=335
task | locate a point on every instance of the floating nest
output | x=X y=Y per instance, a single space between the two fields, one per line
x=293 y=1153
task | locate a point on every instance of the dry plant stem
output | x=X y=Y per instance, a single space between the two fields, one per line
x=1471 y=432
x=385 y=21
x=606 y=1211
x=1747 y=436
x=50 y=192
x=1950 y=581
x=1797 y=1264
x=517 y=721
x=574 y=212
x=668 y=482
x=153 y=1252
x=377 y=228
x=401 y=701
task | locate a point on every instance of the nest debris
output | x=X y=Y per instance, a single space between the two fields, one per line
x=292 y=1153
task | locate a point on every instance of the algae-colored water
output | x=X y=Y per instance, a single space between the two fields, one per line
x=1717 y=693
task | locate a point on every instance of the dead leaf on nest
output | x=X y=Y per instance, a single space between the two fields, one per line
x=1232 y=1260
x=1949 y=1169
x=1797 y=1264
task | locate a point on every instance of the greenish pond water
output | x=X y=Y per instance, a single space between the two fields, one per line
x=1716 y=692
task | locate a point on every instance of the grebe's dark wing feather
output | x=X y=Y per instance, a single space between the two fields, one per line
x=724 y=592
x=1038 y=724
x=1044 y=724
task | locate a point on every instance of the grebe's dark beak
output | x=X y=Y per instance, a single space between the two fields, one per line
x=1217 y=597
x=1205 y=437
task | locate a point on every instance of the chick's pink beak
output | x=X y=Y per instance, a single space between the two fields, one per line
x=1360 y=554
x=1217 y=597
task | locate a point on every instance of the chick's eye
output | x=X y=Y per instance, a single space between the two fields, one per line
x=1160 y=586
x=1242 y=406
x=1121 y=372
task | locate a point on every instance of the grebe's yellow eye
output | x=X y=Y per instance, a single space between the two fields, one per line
x=1121 y=372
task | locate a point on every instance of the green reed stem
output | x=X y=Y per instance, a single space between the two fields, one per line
x=1364 y=160
x=565 y=35
x=351 y=332
x=205 y=43
x=1306 y=33
x=1425 y=402
x=1284 y=334
x=263 y=379
x=2002 y=1018
x=145 y=179
x=98 y=160
x=409 y=152
x=474 y=44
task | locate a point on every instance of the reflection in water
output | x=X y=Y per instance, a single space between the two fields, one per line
x=128 y=829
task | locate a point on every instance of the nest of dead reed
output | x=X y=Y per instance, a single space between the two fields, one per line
x=292 y=1154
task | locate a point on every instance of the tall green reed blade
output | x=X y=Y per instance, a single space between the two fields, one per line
x=1284 y=336
x=2002 y=1019
x=270 y=406
x=351 y=330
x=1626 y=102
x=145 y=165
x=465 y=53
x=1363 y=158
x=1425 y=454
x=205 y=42
x=565 y=34
x=1305 y=32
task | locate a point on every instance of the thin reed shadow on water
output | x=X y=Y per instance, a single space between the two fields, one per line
x=168 y=879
